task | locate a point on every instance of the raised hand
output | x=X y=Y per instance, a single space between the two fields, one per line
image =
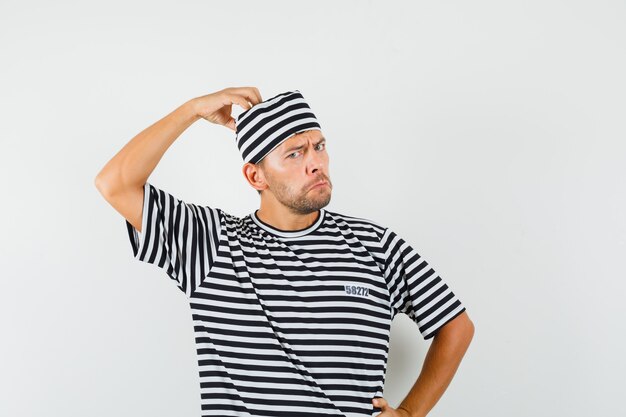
x=217 y=107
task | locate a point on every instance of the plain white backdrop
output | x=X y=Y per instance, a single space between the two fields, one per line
x=489 y=134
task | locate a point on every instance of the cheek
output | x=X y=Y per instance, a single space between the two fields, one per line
x=326 y=162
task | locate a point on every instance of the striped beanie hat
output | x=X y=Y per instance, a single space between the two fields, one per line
x=267 y=124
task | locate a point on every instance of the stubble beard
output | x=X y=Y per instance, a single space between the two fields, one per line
x=303 y=202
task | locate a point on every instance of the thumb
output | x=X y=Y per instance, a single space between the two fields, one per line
x=231 y=124
x=379 y=402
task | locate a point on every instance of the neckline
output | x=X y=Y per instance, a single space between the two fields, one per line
x=321 y=214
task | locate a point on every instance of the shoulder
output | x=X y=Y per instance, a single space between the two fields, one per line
x=359 y=225
x=229 y=218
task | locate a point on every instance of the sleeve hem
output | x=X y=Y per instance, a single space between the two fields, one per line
x=433 y=333
x=137 y=239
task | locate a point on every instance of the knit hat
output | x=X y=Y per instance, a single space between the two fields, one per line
x=266 y=125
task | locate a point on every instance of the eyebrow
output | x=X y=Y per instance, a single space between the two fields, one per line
x=294 y=148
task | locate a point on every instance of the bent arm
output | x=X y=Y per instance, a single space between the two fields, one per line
x=441 y=363
x=122 y=179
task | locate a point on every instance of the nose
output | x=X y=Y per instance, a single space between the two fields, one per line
x=315 y=160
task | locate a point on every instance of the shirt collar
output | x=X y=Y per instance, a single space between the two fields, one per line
x=289 y=233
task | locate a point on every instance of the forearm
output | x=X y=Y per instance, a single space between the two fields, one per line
x=441 y=363
x=134 y=163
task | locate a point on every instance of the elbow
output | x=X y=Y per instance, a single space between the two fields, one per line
x=101 y=185
x=104 y=186
x=107 y=181
x=469 y=332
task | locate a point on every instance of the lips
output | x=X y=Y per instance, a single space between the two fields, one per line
x=319 y=184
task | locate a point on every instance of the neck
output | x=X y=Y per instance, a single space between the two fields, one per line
x=284 y=218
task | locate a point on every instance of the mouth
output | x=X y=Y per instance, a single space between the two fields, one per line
x=319 y=184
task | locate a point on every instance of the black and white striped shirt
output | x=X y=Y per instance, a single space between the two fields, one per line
x=290 y=323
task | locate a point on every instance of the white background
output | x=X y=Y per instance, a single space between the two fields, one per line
x=489 y=134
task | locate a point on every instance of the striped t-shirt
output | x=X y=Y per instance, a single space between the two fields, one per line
x=290 y=323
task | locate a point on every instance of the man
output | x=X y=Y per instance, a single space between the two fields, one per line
x=292 y=304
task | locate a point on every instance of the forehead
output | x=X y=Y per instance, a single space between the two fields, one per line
x=302 y=137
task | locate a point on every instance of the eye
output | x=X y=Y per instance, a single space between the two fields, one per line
x=289 y=156
x=322 y=144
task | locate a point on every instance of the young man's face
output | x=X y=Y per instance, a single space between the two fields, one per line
x=293 y=169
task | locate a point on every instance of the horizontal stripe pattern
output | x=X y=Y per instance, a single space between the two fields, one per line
x=415 y=288
x=266 y=125
x=297 y=323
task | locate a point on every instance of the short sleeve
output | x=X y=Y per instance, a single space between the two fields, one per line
x=415 y=288
x=179 y=237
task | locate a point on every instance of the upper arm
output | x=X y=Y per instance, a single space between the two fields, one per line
x=179 y=237
x=460 y=326
x=129 y=204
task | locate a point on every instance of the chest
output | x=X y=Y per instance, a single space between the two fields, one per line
x=315 y=286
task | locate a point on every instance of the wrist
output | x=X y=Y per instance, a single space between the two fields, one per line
x=191 y=109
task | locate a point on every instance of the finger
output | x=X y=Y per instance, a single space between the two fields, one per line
x=250 y=98
x=239 y=100
x=380 y=402
x=253 y=94
x=257 y=93
x=231 y=124
x=250 y=93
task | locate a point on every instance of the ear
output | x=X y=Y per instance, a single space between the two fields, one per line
x=254 y=175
